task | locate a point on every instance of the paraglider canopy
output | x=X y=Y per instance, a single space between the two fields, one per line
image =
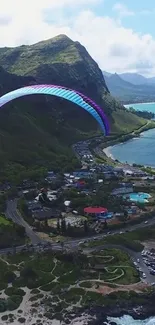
x=71 y=95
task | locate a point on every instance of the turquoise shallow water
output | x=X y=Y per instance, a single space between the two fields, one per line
x=150 y=107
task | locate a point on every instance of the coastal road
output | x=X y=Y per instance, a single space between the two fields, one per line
x=75 y=242
x=133 y=255
x=13 y=214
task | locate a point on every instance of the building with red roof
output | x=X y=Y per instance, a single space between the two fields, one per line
x=95 y=211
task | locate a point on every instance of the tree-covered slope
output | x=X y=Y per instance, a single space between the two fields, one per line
x=41 y=128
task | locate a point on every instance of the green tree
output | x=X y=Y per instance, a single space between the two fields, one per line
x=22 y=205
x=85 y=226
x=63 y=225
x=58 y=225
x=28 y=272
x=69 y=229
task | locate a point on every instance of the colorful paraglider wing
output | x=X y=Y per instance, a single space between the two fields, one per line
x=62 y=92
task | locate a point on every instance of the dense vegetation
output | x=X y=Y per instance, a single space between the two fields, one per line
x=11 y=235
x=131 y=240
x=65 y=276
x=144 y=114
x=41 y=129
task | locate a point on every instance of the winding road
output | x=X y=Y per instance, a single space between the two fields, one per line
x=13 y=214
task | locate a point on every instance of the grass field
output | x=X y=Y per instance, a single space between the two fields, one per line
x=4 y=221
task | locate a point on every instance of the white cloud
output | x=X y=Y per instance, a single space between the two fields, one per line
x=114 y=47
x=122 y=10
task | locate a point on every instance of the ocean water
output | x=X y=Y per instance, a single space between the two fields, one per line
x=139 y=150
x=150 y=107
x=128 y=320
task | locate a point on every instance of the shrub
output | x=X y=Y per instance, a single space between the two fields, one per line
x=11 y=305
x=36 y=297
x=21 y=320
x=4 y=317
x=28 y=272
x=3 y=305
x=9 y=276
x=14 y=291
x=20 y=311
x=3 y=286
x=13 y=302
x=35 y=291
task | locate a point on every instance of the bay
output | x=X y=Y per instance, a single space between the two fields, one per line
x=137 y=150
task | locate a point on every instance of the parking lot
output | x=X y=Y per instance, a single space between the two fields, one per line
x=149 y=260
x=146 y=266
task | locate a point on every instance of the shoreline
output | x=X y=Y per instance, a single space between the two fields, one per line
x=143 y=311
x=149 y=103
x=108 y=154
x=104 y=149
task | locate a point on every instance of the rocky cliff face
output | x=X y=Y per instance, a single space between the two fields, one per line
x=57 y=61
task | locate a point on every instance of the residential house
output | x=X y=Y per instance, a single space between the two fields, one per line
x=46 y=214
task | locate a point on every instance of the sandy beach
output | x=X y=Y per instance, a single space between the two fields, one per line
x=108 y=152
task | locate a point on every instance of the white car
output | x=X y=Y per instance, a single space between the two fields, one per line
x=146 y=222
x=80 y=243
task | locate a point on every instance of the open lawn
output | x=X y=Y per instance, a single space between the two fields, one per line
x=4 y=221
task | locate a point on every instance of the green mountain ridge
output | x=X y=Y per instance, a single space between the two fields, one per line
x=128 y=92
x=40 y=129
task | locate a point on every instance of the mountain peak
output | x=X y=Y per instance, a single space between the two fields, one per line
x=134 y=78
x=60 y=40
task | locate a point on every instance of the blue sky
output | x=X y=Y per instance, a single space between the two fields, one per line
x=143 y=17
x=119 y=35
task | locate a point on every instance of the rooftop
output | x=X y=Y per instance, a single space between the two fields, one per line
x=95 y=210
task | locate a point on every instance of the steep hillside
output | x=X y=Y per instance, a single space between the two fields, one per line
x=128 y=92
x=10 y=81
x=62 y=61
x=33 y=133
x=137 y=79
x=40 y=128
